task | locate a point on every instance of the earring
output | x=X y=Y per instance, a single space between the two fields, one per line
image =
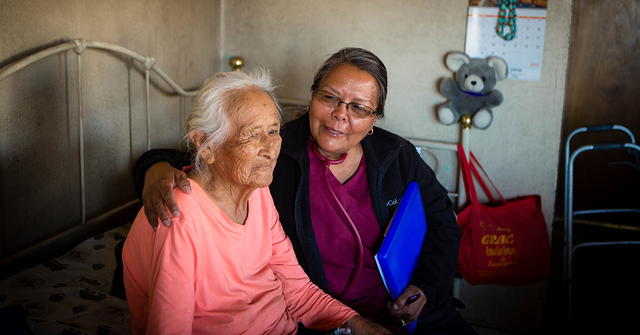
x=307 y=109
x=370 y=132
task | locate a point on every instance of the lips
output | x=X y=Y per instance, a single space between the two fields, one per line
x=264 y=165
x=333 y=132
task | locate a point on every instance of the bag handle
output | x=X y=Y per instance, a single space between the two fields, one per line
x=481 y=181
x=469 y=170
x=474 y=172
x=466 y=175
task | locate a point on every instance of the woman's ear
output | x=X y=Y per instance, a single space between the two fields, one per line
x=207 y=153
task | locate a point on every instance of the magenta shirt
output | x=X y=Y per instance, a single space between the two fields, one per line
x=337 y=243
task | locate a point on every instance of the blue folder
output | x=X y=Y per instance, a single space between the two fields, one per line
x=400 y=250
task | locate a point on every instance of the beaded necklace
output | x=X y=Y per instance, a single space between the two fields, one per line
x=504 y=20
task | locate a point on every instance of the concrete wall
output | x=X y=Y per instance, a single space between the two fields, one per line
x=519 y=150
x=39 y=160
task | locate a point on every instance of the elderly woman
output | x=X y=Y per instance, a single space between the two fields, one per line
x=226 y=266
x=336 y=185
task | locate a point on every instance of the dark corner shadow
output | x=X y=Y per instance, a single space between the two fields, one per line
x=3 y=210
x=155 y=81
x=444 y=99
x=31 y=51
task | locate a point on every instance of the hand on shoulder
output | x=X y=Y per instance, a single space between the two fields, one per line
x=160 y=180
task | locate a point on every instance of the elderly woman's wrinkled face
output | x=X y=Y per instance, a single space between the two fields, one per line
x=248 y=156
x=336 y=130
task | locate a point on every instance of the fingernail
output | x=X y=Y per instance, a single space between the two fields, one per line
x=176 y=213
x=395 y=306
x=187 y=189
x=166 y=223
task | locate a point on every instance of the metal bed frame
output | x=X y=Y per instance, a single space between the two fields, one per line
x=79 y=46
x=460 y=194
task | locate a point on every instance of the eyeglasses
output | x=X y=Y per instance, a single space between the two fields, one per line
x=330 y=100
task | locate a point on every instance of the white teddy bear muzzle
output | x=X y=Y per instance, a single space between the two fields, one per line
x=473 y=83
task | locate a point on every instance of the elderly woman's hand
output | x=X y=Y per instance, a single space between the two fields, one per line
x=405 y=314
x=159 y=181
x=362 y=326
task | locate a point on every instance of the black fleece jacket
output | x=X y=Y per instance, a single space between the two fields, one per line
x=392 y=162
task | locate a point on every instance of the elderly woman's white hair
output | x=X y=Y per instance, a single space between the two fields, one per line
x=210 y=116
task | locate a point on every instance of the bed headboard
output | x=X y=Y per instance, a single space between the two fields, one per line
x=74 y=117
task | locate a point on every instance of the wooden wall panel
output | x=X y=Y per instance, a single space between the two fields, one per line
x=603 y=86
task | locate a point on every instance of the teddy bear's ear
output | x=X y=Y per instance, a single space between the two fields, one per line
x=455 y=60
x=501 y=67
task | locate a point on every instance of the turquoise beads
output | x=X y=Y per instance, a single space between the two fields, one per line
x=507 y=20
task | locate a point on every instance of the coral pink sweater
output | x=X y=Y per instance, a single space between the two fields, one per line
x=207 y=274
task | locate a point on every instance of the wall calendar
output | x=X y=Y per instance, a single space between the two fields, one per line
x=523 y=52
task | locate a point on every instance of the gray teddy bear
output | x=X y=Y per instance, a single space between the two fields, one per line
x=472 y=91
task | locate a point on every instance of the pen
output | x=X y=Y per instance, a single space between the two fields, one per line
x=413 y=299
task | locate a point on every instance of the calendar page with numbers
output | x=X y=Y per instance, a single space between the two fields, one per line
x=523 y=54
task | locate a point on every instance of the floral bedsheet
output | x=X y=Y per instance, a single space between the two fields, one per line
x=70 y=294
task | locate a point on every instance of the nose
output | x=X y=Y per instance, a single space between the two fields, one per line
x=270 y=146
x=473 y=83
x=339 y=113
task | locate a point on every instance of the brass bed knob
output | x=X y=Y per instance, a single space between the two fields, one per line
x=236 y=63
x=465 y=121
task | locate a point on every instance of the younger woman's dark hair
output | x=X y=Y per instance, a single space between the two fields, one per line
x=362 y=59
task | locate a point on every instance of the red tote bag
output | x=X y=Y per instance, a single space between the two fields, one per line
x=503 y=244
